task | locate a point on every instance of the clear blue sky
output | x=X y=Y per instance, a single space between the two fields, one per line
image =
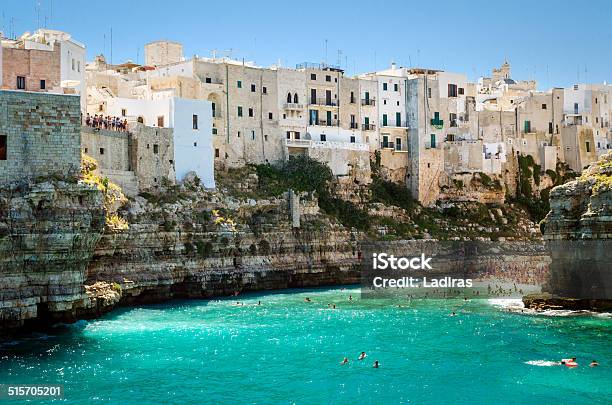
x=556 y=42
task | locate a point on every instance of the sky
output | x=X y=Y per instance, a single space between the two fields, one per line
x=556 y=42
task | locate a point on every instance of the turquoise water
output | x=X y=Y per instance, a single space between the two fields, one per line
x=288 y=351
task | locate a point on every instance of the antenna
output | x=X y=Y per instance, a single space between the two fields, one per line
x=339 y=57
x=325 y=60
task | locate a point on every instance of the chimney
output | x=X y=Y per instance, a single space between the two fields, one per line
x=393 y=66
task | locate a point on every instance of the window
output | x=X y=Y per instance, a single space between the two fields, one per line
x=295 y=98
x=3 y=147
x=85 y=150
x=239 y=111
x=269 y=115
x=527 y=126
x=214 y=131
x=239 y=84
x=575 y=87
x=216 y=153
x=452 y=90
x=396 y=87
x=195 y=144
x=160 y=121
x=328 y=78
x=43 y=85
x=384 y=86
x=323 y=137
x=429 y=92
x=264 y=90
x=296 y=135
x=208 y=80
x=194 y=121
x=432 y=138
x=384 y=120
x=288 y=134
x=575 y=108
x=288 y=97
x=550 y=127
x=252 y=88
x=73 y=64
x=398 y=119
x=352 y=97
x=385 y=141
x=453 y=119
x=543 y=106
x=313 y=76
x=123 y=112
x=253 y=135
x=398 y=143
x=78 y=66
x=101 y=151
x=155 y=149
x=461 y=91
x=588 y=147
x=266 y=138
x=250 y=112
x=20 y=83
x=352 y=139
x=238 y=134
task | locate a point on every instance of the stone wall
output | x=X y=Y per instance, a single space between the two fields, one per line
x=109 y=148
x=43 y=135
x=152 y=155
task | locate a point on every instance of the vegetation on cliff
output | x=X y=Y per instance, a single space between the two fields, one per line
x=530 y=176
x=599 y=174
x=113 y=196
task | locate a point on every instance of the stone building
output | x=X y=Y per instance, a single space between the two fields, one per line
x=160 y=53
x=39 y=135
x=137 y=160
x=45 y=61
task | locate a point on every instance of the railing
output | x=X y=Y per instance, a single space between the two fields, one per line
x=211 y=81
x=368 y=101
x=217 y=113
x=401 y=124
x=303 y=143
x=321 y=66
x=437 y=123
x=325 y=123
x=353 y=125
x=387 y=145
x=368 y=127
x=293 y=106
x=323 y=101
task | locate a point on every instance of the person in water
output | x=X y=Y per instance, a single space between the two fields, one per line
x=344 y=361
x=376 y=364
x=362 y=356
x=453 y=314
x=307 y=299
x=350 y=298
x=594 y=363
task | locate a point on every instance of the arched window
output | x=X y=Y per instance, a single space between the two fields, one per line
x=141 y=120
x=295 y=98
x=289 y=97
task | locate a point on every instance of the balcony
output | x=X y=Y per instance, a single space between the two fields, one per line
x=368 y=127
x=387 y=145
x=353 y=125
x=368 y=101
x=293 y=106
x=325 y=123
x=304 y=143
x=437 y=123
x=324 y=101
x=401 y=124
x=217 y=113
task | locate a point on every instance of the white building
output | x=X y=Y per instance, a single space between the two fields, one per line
x=191 y=121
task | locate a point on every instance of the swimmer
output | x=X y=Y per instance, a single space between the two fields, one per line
x=594 y=363
x=453 y=314
x=362 y=356
x=334 y=306
x=307 y=299
x=350 y=298
x=258 y=302
x=344 y=361
x=376 y=364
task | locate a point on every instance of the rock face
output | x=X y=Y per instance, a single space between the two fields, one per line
x=578 y=231
x=48 y=232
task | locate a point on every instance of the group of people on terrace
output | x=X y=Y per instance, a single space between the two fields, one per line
x=106 y=122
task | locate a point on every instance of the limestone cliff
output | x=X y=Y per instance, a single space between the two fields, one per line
x=578 y=231
x=48 y=232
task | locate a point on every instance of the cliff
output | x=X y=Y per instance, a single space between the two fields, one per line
x=578 y=231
